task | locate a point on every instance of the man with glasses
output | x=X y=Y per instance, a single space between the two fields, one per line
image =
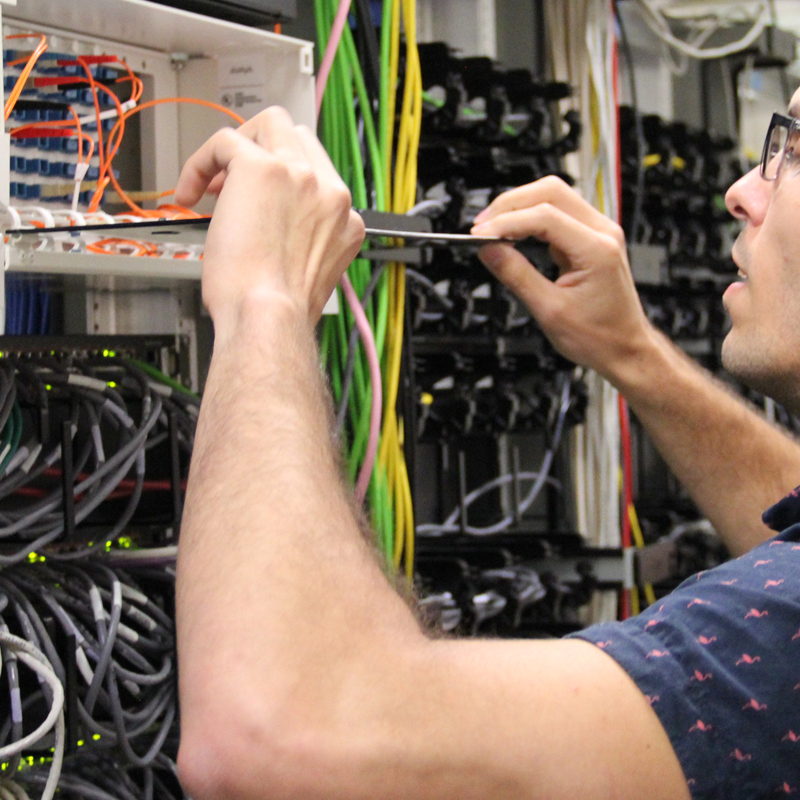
x=303 y=672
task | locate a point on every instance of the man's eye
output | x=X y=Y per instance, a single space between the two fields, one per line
x=793 y=155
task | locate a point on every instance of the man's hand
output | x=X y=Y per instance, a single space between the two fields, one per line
x=592 y=312
x=734 y=464
x=282 y=224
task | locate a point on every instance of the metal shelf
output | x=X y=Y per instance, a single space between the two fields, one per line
x=63 y=250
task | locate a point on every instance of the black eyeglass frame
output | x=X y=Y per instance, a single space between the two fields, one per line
x=778 y=120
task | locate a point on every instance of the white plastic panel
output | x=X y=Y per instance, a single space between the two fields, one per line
x=151 y=25
x=178 y=53
x=469 y=26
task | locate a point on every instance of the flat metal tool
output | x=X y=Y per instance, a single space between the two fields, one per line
x=193 y=231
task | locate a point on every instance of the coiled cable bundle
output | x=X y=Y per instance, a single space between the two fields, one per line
x=75 y=433
x=103 y=639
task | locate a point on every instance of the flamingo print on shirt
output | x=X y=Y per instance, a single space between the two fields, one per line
x=718 y=660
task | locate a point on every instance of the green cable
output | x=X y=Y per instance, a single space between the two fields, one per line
x=510 y=130
x=382 y=292
x=340 y=131
x=150 y=370
x=363 y=391
x=369 y=123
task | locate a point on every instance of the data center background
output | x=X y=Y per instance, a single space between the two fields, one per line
x=512 y=489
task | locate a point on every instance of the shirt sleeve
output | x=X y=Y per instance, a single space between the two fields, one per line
x=719 y=661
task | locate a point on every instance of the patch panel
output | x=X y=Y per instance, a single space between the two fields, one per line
x=178 y=56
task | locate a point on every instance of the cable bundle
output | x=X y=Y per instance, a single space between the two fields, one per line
x=73 y=153
x=105 y=641
x=98 y=777
x=456 y=521
x=110 y=413
x=358 y=115
x=703 y=25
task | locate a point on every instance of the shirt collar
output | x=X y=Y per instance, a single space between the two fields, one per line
x=784 y=513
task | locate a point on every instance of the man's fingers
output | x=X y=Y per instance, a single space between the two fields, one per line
x=551 y=190
x=211 y=159
x=316 y=153
x=217 y=182
x=514 y=270
x=578 y=242
x=272 y=129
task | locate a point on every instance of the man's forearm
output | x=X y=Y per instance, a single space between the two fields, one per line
x=732 y=461
x=277 y=587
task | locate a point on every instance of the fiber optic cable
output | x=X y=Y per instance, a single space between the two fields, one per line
x=330 y=51
x=341 y=136
x=390 y=498
x=25 y=74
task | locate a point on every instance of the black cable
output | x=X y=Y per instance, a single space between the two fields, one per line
x=636 y=219
x=371 y=60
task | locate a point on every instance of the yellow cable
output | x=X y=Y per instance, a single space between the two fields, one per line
x=635 y=604
x=636 y=529
x=402 y=196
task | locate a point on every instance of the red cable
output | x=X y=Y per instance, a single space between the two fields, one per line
x=615 y=73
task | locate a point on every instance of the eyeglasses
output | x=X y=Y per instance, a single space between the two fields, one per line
x=782 y=144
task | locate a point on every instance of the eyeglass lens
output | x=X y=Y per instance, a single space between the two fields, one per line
x=774 y=151
x=777 y=149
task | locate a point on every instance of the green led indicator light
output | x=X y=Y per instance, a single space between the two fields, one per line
x=111 y=385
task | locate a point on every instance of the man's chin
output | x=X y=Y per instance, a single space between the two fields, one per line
x=745 y=362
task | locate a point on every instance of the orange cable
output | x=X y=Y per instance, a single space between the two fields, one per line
x=93 y=84
x=25 y=74
x=105 y=158
x=111 y=247
x=141 y=107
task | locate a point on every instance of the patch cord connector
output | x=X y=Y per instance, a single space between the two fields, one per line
x=43 y=168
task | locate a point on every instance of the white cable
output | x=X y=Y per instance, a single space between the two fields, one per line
x=16 y=220
x=38 y=211
x=450 y=525
x=80 y=174
x=538 y=478
x=69 y=217
x=656 y=20
x=110 y=113
x=35 y=659
x=100 y=218
x=437 y=204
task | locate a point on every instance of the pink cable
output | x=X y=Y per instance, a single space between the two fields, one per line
x=377 y=387
x=330 y=51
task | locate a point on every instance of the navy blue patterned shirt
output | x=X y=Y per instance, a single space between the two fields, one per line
x=719 y=661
